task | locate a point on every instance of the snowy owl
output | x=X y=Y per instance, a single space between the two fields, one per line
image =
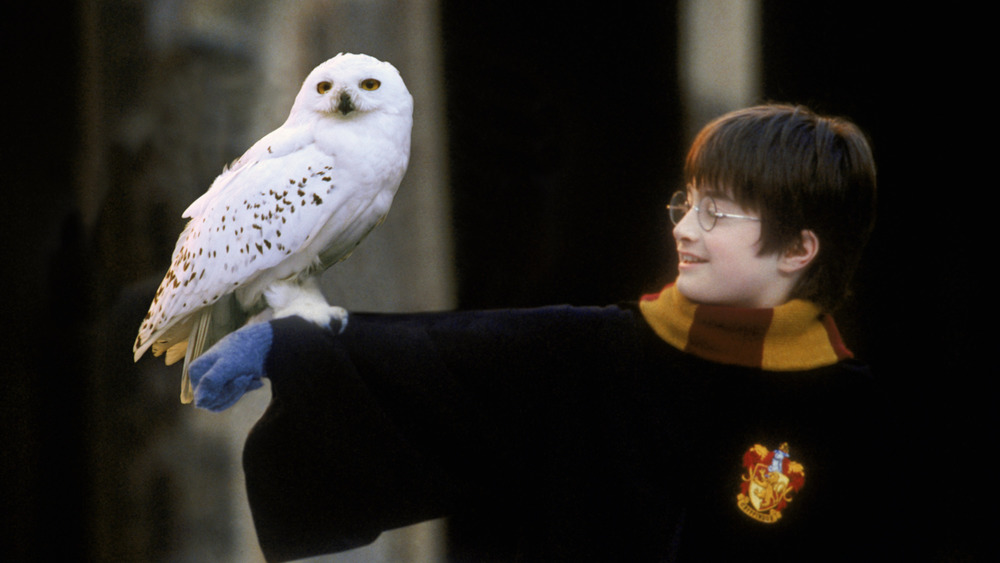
x=299 y=200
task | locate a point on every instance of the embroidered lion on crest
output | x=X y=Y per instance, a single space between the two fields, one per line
x=770 y=481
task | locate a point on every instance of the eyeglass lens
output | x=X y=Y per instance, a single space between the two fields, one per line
x=678 y=207
x=706 y=214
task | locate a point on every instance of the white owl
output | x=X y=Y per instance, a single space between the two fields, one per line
x=299 y=200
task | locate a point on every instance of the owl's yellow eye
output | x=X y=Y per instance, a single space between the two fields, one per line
x=370 y=84
x=324 y=87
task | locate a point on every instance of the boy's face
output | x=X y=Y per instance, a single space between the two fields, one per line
x=722 y=266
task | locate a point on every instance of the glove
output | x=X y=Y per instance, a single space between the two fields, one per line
x=231 y=368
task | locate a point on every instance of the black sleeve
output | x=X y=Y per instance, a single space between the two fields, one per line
x=404 y=418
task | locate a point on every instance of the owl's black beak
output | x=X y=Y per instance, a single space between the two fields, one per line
x=346 y=105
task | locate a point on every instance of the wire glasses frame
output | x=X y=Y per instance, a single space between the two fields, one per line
x=708 y=213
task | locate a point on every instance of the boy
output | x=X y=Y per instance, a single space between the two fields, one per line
x=721 y=419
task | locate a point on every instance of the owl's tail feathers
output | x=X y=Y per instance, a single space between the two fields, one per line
x=208 y=326
x=193 y=348
x=189 y=337
x=173 y=345
x=170 y=341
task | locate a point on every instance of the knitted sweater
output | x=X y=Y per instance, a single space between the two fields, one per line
x=641 y=432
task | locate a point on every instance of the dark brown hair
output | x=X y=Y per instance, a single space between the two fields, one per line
x=798 y=170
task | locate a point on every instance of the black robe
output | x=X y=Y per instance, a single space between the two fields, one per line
x=599 y=441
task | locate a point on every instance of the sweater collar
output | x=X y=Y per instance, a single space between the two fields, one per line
x=792 y=336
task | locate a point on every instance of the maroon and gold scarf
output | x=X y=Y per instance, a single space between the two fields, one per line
x=793 y=336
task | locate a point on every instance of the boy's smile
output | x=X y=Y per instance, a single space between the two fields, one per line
x=724 y=266
x=685 y=259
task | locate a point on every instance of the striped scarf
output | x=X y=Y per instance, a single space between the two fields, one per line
x=792 y=336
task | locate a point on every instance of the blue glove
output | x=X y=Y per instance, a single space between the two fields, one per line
x=234 y=366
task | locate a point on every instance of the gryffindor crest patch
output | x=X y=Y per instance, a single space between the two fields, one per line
x=769 y=483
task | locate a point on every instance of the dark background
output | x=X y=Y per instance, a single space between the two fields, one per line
x=566 y=143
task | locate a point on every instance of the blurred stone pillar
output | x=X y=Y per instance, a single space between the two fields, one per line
x=720 y=52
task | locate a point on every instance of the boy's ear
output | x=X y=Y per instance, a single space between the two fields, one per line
x=801 y=253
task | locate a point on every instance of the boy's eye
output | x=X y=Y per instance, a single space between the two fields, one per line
x=707 y=213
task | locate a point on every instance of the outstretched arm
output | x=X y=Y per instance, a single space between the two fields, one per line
x=404 y=418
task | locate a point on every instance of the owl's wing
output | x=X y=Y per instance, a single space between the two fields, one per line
x=246 y=224
x=277 y=144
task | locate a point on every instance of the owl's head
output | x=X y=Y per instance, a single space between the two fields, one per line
x=349 y=86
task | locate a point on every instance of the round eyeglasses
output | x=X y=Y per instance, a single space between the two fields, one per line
x=708 y=213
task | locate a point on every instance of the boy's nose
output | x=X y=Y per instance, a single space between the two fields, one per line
x=687 y=228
